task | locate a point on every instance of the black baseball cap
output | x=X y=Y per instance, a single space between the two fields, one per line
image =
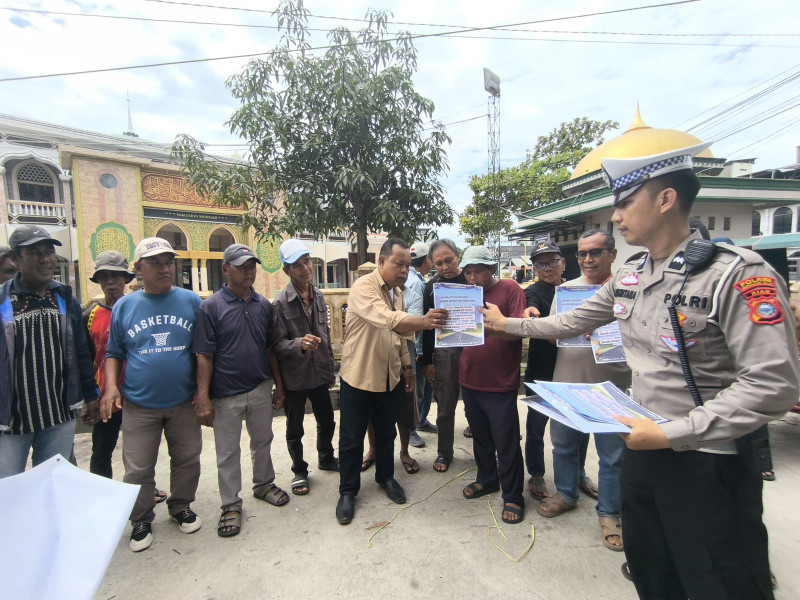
x=27 y=235
x=543 y=247
x=238 y=254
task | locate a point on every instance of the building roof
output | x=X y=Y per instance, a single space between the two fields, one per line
x=639 y=140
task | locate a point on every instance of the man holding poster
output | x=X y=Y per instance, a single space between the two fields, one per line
x=489 y=376
x=596 y=254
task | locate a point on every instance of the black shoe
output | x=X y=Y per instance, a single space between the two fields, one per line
x=345 y=509
x=141 y=537
x=394 y=491
x=187 y=520
x=332 y=464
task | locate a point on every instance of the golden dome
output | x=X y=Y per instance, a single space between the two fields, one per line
x=639 y=140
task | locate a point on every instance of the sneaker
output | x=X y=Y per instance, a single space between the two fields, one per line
x=187 y=520
x=428 y=427
x=415 y=440
x=141 y=537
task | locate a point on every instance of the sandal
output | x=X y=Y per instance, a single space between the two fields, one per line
x=468 y=432
x=554 y=505
x=626 y=572
x=537 y=487
x=272 y=495
x=609 y=528
x=442 y=460
x=518 y=512
x=477 y=492
x=768 y=475
x=230 y=522
x=589 y=488
x=300 y=486
x=412 y=466
x=160 y=496
x=367 y=463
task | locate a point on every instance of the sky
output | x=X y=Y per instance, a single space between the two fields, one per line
x=682 y=63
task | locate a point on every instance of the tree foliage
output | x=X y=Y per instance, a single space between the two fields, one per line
x=341 y=137
x=536 y=181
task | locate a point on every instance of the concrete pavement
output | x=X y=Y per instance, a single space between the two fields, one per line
x=440 y=546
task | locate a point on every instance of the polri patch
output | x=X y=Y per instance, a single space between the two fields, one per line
x=630 y=279
x=620 y=309
x=761 y=294
x=677 y=262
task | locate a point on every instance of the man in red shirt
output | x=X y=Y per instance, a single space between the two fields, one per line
x=489 y=376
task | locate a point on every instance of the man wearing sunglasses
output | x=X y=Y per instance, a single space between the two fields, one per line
x=596 y=254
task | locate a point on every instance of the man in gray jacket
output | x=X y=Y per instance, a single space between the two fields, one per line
x=302 y=342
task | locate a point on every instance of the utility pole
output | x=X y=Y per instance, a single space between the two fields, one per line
x=491 y=83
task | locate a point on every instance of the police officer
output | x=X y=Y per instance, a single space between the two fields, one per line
x=691 y=490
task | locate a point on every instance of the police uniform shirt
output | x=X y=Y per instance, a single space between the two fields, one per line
x=740 y=339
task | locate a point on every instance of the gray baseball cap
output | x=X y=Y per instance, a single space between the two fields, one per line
x=27 y=235
x=477 y=255
x=111 y=260
x=545 y=247
x=237 y=255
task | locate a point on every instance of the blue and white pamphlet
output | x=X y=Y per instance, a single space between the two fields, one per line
x=464 y=326
x=587 y=407
x=606 y=341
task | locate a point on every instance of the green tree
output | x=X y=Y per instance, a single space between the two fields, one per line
x=536 y=181
x=341 y=138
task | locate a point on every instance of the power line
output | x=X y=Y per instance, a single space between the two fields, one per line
x=329 y=46
x=757 y=122
x=773 y=134
x=260 y=26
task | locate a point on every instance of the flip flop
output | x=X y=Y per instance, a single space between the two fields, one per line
x=411 y=467
x=519 y=512
x=478 y=492
x=272 y=495
x=610 y=526
x=537 y=488
x=554 y=505
x=768 y=475
x=230 y=523
x=441 y=460
x=467 y=432
x=589 y=488
x=160 y=496
x=298 y=483
x=367 y=463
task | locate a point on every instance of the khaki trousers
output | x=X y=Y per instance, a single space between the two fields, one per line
x=255 y=407
x=141 y=436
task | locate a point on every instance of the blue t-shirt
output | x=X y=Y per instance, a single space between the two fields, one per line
x=153 y=333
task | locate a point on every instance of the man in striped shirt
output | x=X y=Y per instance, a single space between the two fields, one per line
x=45 y=367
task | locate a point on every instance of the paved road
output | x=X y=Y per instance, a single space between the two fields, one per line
x=439 y=547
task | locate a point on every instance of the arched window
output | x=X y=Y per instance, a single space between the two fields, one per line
x=220 y=239
x=756 y=228
x=782 y=221
x=35 y=183
x=175 y=236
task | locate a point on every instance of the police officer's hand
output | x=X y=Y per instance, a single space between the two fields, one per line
x=278 y=397
x=310 y=342
x=110 y=399
x=430 y=373
x=203 y=409
x=645 y=434
x=435 y=318
x=493 y=319
x=531 y=313
x=92 y=414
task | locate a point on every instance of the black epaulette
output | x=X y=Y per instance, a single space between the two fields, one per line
x=635 y=257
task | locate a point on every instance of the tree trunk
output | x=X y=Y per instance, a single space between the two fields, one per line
x=361 y=243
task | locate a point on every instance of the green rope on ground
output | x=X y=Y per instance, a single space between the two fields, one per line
x=410 y=504
x=500 y=529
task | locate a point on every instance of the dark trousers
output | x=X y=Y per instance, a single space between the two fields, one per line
x=357 y=409
x=446 y=389
x=692 y=525
x=494 y=421
x=535 y=424
x=295 y=408
x=104 y=440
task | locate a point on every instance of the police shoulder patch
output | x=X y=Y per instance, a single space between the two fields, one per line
x=761 y=294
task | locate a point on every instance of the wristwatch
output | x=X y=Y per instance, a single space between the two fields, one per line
x=406 y=368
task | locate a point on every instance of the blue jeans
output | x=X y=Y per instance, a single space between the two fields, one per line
x=46 y=444
x=567 y=469
x=424 y=391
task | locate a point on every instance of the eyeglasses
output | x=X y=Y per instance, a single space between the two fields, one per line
x=541 y=266
x=594 y=253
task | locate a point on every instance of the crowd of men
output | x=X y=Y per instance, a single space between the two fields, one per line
x=707 y=330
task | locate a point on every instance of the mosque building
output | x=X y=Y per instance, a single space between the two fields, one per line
x=757 y=210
